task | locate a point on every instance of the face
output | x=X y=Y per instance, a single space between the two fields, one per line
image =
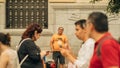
x=79 y=32
x=36 y=35
x=60 y=30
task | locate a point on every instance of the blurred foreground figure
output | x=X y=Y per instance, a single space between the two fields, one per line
x=107 y=49
x=7 y=55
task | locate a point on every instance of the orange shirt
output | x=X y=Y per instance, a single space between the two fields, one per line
x=58 y=40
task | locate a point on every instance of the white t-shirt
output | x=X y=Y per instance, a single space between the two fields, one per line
x=84 y=55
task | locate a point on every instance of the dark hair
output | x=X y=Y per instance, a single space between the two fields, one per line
x=31 y=29
x=60 y=28
x=5 y=39
x=81 y=23
x=99 y=20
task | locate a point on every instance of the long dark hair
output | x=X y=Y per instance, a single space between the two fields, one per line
x=5 y=39
x=29 y=32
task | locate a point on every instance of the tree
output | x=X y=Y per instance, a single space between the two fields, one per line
x=113 y=6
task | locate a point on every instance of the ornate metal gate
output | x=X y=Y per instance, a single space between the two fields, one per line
x=20 y=13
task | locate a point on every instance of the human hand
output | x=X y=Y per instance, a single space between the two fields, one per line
x=48 y=52
x=64 y=52
x=43 y=53
x=51 y=50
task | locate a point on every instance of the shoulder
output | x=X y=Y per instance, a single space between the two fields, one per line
x=10 y=53
x=64 y=35
x=89 y=44
x=90 y=41
x=54 y=35
x=110 y=44
x=29 y=41
x=13 y=52
x=4 y=56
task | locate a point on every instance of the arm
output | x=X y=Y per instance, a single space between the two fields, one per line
x=83 y=56
x=43 y=53
x=67 y=45
x=3 y=60
x=68 y=55
x=71 y=57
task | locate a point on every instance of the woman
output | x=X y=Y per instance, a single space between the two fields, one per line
x=7 y=55
x=28 y=47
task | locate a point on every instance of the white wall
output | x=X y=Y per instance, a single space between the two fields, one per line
x=63 y=13
x=60 y=15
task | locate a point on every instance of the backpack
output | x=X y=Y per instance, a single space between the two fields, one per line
x=17 y=58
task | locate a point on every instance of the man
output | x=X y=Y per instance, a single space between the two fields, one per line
x=58 y=41
x=86 y=51
x=107 y=50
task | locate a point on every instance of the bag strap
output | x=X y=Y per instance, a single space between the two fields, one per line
x=100 y=44
x=23 y=59
x=18 y=49
x=21 y=43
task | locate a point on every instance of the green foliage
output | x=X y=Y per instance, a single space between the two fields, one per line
x=93 y=1
x=113 y=6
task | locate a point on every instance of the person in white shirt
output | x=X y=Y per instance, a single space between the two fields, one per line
x=86 y=51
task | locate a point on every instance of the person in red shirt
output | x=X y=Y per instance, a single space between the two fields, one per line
x=107 y=49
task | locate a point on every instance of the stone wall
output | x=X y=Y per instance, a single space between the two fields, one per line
x=63 y=14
